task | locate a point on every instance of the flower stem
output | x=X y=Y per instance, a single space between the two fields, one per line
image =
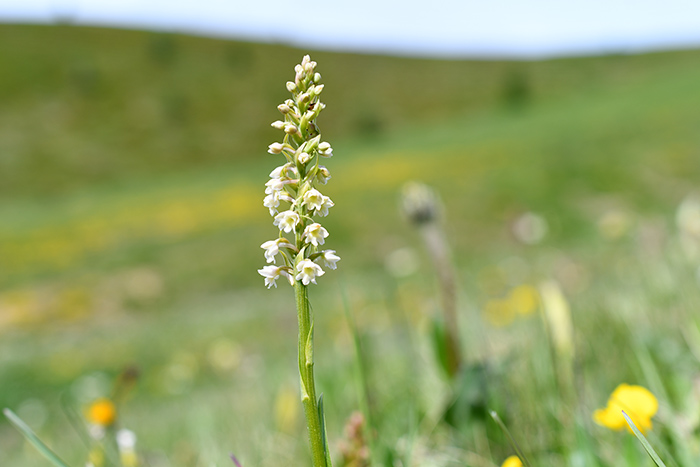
x=306 y=372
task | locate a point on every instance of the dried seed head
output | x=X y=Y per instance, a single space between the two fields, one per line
x=420 y=204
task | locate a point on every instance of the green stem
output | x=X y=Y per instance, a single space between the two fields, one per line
x=306 y=372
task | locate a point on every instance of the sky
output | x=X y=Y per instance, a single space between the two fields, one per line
x=442 y=28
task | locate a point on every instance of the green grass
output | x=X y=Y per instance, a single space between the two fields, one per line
x=131 y=173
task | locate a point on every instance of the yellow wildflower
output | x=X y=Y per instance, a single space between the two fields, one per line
x=499 y=312
x=129 y=459
x=512 y=461
x=524 y=299
x=637 y=402
x=102 y=412
x=286 y=409
x=96 y=457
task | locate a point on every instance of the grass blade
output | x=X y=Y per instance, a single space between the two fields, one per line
x=322 y=418
x=642 y=439
x=34 y=439
x=503 y=426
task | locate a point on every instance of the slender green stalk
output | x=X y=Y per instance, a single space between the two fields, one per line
x=34 y=439
x=512 y=441
x=306 y=373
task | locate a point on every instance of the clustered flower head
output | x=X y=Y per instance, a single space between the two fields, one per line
x=291 y=194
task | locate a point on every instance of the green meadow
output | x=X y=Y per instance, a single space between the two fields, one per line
x=132 y=171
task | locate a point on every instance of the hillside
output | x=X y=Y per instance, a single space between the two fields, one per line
x=83 y=106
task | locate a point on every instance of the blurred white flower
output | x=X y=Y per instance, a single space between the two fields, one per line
x=402 y=262
x=126 y=439
x=530 y=228
x=688 y=216
x=614 y=224
x=330 y=258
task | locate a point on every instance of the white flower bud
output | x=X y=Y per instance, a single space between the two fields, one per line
x=278 y=125
x=278 y=171
x=309 y=67
x=325 y=149
x=304 y=157
x=284 y=108
x=290 y=129
x=291 y=87
x=317 y=89
x=275 y=148
x=304 y=97
x=317 y=78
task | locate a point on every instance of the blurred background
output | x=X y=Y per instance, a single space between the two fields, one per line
x=561 y=138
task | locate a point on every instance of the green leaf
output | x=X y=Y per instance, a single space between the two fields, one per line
x=322 y=418
x=34 y=439
x=642 y=439
x=439 y=342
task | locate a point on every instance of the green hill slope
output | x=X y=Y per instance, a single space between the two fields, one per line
x=81 y=106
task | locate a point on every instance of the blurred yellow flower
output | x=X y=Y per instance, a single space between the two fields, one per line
x=96 y=458
x=512 y=461
x=524 y=299
x=287 y=409
x=129 y=459
x=102 y=412
x=521 y=300
x=637 y=402
x=499 y=312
